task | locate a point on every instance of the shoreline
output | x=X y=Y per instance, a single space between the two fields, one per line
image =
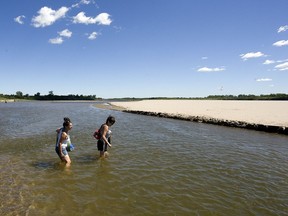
x=267 y=116
x=7 y=100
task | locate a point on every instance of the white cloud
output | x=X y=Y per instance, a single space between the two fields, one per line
x=81 y=18
x=65 y=33
x=206 y=69
x=263 y=80
x=57 y=40
x=101 y=19
x=282 y=67
x=283 y=28
x=204 y=58
x=267 y=62
x=281 y=43
x=81 y=2
x=19 y=19
x=85 y=2
x=251 y=55
x=48 y=16
x=93 y=36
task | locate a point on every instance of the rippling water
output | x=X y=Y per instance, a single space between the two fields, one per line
x=156 y=166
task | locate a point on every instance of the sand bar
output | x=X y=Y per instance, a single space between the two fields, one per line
x=274 y=113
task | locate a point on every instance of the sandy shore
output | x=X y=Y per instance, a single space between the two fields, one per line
x=6 y=100
x=274 y=113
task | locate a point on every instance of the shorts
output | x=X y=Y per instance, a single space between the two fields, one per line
x=64 y=151
x=101 y=145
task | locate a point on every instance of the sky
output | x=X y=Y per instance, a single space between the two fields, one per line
x=137 y=48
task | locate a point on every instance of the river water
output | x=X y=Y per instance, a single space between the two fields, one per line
x=157 y=166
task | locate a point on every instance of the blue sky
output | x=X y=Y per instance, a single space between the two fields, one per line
x=151 y=48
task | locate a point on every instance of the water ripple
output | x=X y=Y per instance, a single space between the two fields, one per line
x=156 y=166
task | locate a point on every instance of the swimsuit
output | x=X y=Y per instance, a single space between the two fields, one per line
x=64 y=143
x=101 y=145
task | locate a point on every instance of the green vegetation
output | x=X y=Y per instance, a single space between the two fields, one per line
x=50 y=96
x=20 y=96
x=249 y=97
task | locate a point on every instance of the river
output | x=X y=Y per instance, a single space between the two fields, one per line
x=156 y=166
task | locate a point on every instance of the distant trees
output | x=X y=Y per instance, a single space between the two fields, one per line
x=66 y=97
x=52 y=96
x=19 y=94
x=49 y=96
x=279 y=96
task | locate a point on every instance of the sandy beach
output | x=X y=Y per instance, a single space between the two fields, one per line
x=274 y=113
x=6 y=100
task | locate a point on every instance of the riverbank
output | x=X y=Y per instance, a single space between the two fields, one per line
x=269 y=116
x=7 y=100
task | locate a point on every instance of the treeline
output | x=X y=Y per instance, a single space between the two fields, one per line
x=50 y=96
x=249 y=97
x=279 y=96
x=64 y=97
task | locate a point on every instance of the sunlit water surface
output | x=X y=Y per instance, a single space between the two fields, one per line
x=156 y=166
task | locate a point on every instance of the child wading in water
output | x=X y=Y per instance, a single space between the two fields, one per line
x=105 y=136
x=63 y=139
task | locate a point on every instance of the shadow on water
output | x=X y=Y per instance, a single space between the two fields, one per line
x=56 y=165
x=47 y=165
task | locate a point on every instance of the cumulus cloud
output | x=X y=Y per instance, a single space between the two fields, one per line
x=263 y=80
x=281 y=43
x=283 y=28
x=282 y=67
x=19 y=19
x=207 y=69
x=251 y=55
x=101 y=19
x=65 y=33
x=58 y=40
x=93 y=36
x=48 y=16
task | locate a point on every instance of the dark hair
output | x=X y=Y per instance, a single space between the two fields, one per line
x=111 y=119
x=66 y=122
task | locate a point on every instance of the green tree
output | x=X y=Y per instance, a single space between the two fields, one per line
x=19 y=94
